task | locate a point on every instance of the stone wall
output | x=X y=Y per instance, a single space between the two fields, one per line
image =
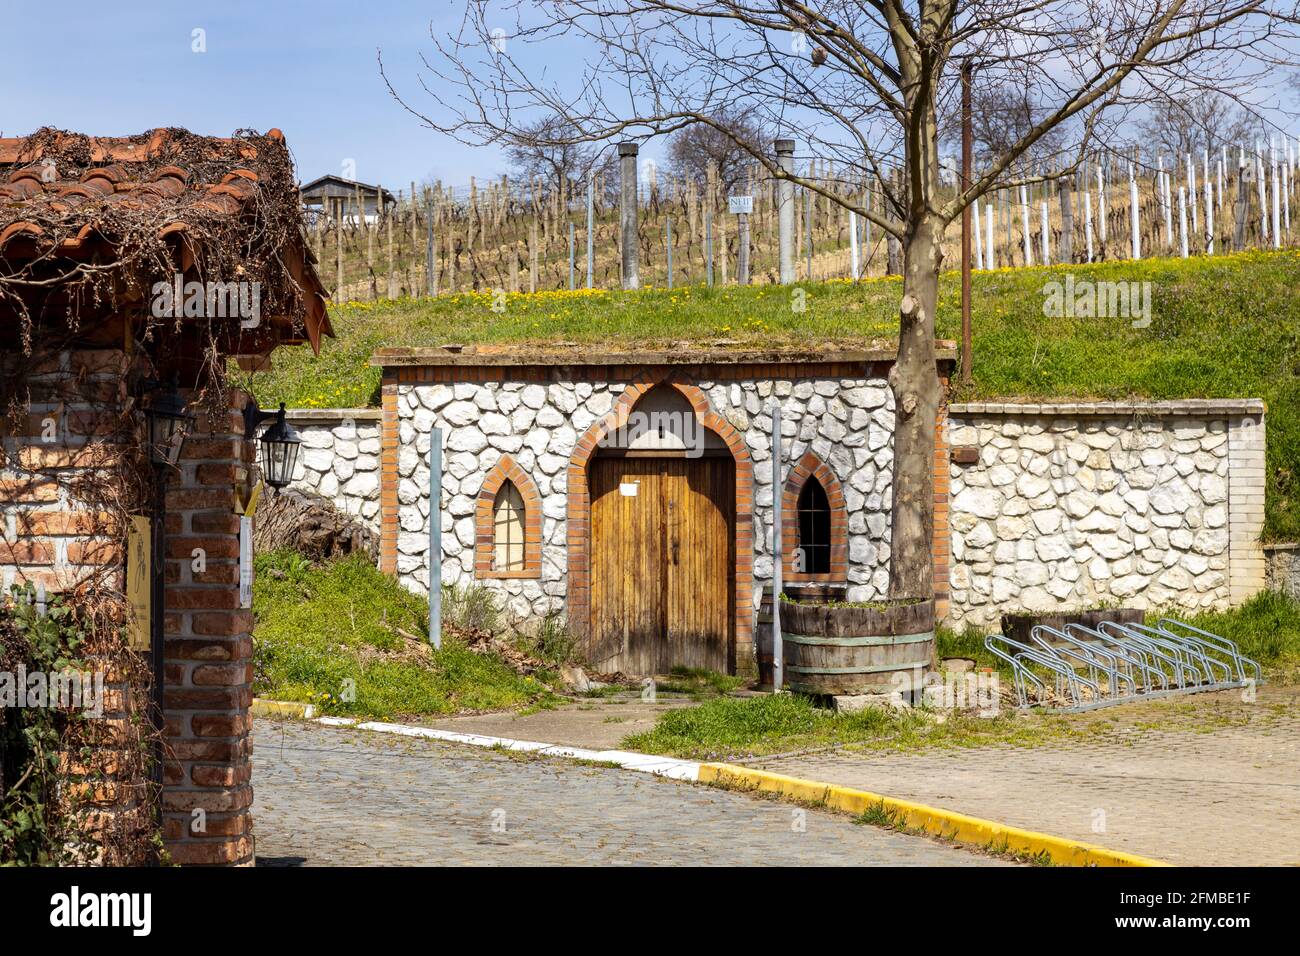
x=1072 y=505
x=1283 y=568
x=846 y=421
x=339 y=459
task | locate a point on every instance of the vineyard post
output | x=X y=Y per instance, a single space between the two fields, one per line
x=708 y=247
x=591 y=225
x=430 y=270
x=1087 y=220
x=1133 y=212
x=808 y=228
x=338 y=250
x=572 y=264
x=627 y=153
x=1064 y=187
x=668 y=238
x=785 y=214
x=1241 y=211
x=1182 y=220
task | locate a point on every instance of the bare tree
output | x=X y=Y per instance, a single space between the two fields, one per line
x=862 y=82
x=1001 y=116
x=545 y=150
x=1192 y=124
x=727 y=146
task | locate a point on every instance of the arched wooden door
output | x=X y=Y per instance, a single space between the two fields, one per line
x=662 y=563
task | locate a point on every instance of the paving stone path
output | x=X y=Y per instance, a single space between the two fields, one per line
x=1216 y=796
x=335 y=796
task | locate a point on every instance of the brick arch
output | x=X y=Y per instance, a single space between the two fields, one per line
x=811 y=465
x=578 y=512
x=507 y=469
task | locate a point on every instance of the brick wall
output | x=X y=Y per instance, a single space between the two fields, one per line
x=57 y=534
x=208 y=651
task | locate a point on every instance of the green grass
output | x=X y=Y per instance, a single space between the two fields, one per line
x=731 y=727
x=1222 y=327
x=1266 y=628
x=328 y=633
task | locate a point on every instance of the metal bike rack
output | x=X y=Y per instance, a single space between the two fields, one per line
x=1117 y=663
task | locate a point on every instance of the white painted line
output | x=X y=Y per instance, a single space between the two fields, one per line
x=644 y=763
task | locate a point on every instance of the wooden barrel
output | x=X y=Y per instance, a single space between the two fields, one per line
x=856 y=650
x=809 y=593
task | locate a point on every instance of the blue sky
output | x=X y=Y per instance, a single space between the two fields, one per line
x=308 y=68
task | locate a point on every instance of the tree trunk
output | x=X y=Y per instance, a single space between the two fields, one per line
x=914 y=380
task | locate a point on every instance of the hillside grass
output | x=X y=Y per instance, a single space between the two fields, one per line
x=1222 y=327
x=330 y=635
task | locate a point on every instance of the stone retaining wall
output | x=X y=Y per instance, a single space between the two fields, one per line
x=1073 y=505
x=1283 y=562
x=339 y=458
x=846 y=421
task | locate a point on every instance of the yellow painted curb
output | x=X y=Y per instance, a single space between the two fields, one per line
x=282 y=708
x=946 y=823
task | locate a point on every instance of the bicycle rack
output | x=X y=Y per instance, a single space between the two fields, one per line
x=1117 y=663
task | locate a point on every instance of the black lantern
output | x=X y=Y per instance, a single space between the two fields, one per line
x=280 y=443
x=169 y=421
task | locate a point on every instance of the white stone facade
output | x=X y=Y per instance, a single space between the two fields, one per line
x=846 y=421
x=1155 y=505
x=339 y=458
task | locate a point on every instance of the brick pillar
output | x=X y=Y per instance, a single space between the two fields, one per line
x=1246 y=571
x=208 y=651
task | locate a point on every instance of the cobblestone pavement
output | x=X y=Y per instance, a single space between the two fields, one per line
x=334 y=796
x=1190 y=795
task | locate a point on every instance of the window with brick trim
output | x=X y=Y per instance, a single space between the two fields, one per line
x=508 y=524
x=508 y=529
x=815 y=546
x=814 y=549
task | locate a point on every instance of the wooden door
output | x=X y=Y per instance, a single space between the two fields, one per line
x=698 y=508
x=662 y=562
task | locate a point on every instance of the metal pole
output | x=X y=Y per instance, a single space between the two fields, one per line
x=435 y=537
x=742 y=244
x=591 y=220
x=778 y=556
x=966 y=146
x=785 y=211
x=157 y=589
x=627 y=215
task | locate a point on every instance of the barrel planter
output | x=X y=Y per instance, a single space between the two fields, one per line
x=843 y=650
x=805 y=593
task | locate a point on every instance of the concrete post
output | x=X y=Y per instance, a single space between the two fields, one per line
x=627 y=216
x=785 y=214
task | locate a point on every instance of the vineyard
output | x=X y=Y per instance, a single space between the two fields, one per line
x=517 y=237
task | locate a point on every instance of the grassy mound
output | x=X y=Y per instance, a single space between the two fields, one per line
x=1221 y=327
x=350 y=639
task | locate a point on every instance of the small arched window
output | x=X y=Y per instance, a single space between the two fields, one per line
x=508 y=529
x=814 y=528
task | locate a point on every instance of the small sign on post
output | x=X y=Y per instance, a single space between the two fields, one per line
x=740 y=205
x=139 y=582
